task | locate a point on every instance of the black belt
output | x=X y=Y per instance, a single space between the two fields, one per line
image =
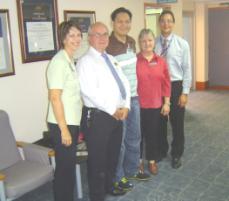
x=177 y=81
x=93 y=109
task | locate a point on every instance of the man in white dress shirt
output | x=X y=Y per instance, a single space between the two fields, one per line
x=106 y=100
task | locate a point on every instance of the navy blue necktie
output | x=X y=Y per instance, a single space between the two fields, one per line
x=164 y=48
x=115 y=75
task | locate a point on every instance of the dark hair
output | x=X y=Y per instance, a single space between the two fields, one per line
x=120 y=10
x=64 y=28
x=165 y=12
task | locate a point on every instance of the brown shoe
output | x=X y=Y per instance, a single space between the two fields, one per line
x=153 y=169
x=141 y=167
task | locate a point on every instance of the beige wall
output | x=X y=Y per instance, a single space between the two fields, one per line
x=24 y=96
x=188 y=5
x=177 y=10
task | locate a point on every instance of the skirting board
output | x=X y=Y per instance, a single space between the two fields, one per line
x=200 y=86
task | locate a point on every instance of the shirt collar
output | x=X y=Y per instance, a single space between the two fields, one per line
x=167 y=38
x=66 y=56
x=155 y=57
x=95 y=52
x=70 y=62
x=113 y=38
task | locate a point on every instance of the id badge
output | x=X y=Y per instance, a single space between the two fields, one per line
x=152 y=64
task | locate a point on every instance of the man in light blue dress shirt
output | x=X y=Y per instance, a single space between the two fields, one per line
x=176 y=51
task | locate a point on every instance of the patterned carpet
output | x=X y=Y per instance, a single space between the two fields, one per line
x=204 y=175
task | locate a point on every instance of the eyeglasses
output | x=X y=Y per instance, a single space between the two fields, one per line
x=166 y=21
x=100 y=35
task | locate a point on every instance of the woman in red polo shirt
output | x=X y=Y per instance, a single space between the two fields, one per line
x=154 y=95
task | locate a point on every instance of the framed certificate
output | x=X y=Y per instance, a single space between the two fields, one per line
x=6 y=54
x=84 y=19
x=38 y=29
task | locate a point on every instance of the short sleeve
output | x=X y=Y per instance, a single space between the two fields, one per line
x=56 y=74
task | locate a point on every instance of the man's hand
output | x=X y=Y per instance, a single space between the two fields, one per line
x=121 y=113
x=125 y=112
x=117 y=115
x=183 y=100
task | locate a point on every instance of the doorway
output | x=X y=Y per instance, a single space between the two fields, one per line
x=152 y=12
x=218 y=30
x=188 y=35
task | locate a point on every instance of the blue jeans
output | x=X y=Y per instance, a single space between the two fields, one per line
x=130 y=149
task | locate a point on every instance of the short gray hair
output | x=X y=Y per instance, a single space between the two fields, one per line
x=91 y=27
x=144 y=32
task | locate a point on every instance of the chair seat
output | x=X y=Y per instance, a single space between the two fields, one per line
x=25 y=176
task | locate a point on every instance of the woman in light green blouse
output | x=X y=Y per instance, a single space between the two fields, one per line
x=65 y=107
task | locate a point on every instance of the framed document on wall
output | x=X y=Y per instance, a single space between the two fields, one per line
x=6 y=54
x=38 y=29
x=84 y=19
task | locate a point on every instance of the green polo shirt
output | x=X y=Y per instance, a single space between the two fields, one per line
x=126 y=56
x=61 y=74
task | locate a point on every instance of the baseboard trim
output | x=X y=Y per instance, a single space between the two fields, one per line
x=201 y=86
x=219 y=87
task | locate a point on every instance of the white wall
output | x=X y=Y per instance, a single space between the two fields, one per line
x=24 y=95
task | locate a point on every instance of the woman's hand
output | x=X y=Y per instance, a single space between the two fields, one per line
x=66 y=138
x=165 y=109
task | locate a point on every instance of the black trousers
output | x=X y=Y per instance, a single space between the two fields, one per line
x=176 y=118
x=103 y=135
x=65 y=157
x=150 y=125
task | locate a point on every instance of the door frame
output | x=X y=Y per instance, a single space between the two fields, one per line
x=154 y=5
x=193 y=53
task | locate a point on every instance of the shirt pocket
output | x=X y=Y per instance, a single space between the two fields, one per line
x=176 y=56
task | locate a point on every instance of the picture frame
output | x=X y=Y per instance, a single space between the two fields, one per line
x=166 y=1
x=84 y=19
x=38 y=21
x=6 y=53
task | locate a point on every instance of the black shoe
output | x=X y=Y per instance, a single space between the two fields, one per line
x=124 y=184
x=116 y=191
x=176 y=163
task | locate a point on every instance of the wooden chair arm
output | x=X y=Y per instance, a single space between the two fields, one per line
x=51 y=153
x=2 y=177
x=20 y=144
